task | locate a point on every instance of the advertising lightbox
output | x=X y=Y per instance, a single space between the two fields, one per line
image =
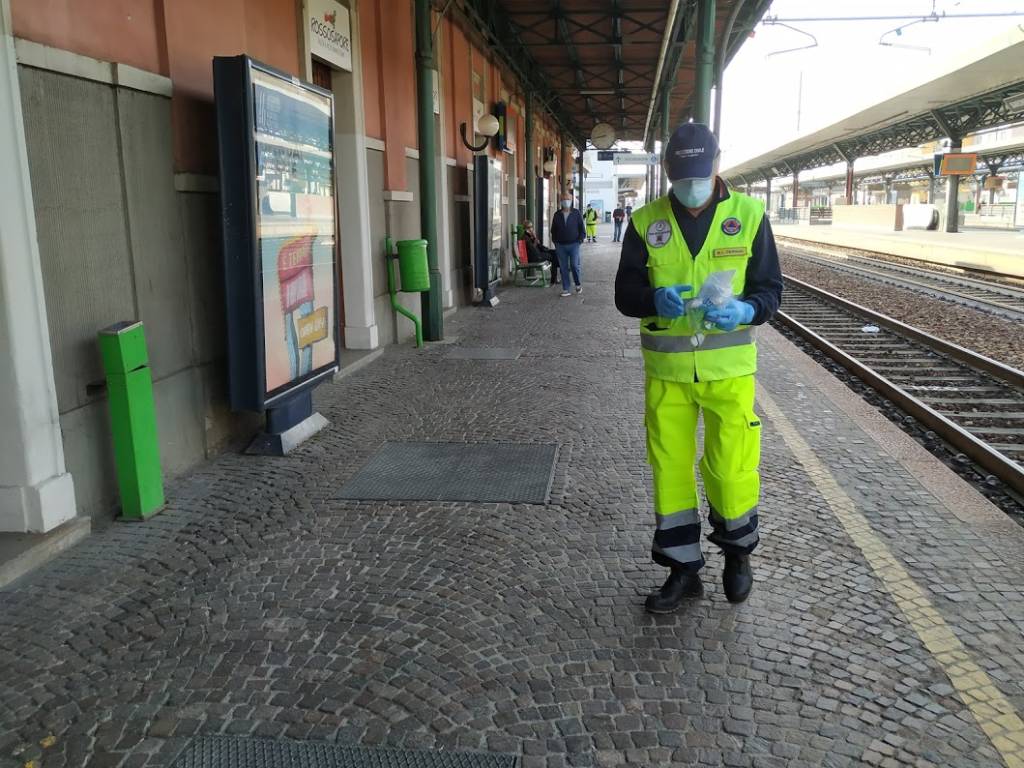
x=280 y=252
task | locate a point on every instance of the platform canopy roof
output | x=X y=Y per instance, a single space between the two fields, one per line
x=591 y=61
x=974 y=93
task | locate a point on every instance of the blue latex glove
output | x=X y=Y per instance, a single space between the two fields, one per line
x=669 y=303
x=734 y=313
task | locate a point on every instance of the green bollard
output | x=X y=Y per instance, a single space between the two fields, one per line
x=132 y=419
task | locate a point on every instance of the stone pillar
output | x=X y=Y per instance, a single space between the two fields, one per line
x=358 y=252
x=36 y=492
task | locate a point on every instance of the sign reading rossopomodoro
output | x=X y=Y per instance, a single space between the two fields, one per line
x=330 y=32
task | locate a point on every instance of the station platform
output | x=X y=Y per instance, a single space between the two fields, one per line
x=886 y=625
x=998 y=251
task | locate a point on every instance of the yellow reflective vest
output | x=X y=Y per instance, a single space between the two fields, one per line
x=668 y=345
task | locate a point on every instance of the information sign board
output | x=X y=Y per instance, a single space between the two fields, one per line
x=280 y=253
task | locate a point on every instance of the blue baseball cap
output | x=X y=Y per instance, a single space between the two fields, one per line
x=691 y=152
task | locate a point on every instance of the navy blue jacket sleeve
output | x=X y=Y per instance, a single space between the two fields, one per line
x=581 y=229
x=763 y=284
x=634 y=296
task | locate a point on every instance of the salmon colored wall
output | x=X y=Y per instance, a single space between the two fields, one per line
x=175 y=38
x=448 y=87
x=397 y=87
x=198 y=30
x=462 y=93
x=370 y=55
x=125 y=31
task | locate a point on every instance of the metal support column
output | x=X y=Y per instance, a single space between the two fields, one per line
x=705 y=75
x=931 y=188
x=580 y=192
x=564 y=180
x=849 y=182
x=953 y=192
x=528 y=165
x=768 y=194
x=431 y=302
x=888 y=190
x=666 y=131
x=796 y=191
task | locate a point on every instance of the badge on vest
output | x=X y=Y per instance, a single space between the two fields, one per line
x=724 y=253
x=659 y=233
x=731 y=226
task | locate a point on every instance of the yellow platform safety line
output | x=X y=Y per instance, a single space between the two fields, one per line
x=991 y=709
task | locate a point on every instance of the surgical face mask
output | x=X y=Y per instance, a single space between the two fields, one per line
x=693 y=193
x=567 y=203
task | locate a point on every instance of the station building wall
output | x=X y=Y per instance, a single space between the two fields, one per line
x=120 y=133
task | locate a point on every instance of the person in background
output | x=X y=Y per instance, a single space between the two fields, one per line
x=568 y=233
x=590 y=219
x=672 y=246
x=618 y=216
x=536 y=252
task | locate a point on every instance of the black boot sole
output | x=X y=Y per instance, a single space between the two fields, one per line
x=665 y=611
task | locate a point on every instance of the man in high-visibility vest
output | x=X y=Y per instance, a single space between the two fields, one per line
x=672 y=246
x=590 y=219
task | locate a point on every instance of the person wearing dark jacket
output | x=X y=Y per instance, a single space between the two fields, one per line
x=536 y=252
x=567 y=233
x=700 y=231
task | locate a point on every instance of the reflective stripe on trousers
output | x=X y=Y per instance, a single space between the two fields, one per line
x=732 y=436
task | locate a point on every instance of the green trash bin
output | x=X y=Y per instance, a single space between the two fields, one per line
x=412 y=266
x=132 y=419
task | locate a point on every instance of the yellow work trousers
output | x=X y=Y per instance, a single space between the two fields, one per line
x=732 y=452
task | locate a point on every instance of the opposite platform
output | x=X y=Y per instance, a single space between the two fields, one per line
x=1001 y=252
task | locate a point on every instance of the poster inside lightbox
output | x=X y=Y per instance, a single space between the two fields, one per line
x=296 y=227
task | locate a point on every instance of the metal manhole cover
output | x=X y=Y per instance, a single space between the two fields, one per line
x=238 y=752
x=506 y=472
x=485 y=353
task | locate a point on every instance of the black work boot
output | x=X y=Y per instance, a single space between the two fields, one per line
x=680 y=585
x=737 y=577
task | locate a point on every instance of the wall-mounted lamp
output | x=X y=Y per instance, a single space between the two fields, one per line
x=549 y=165
x=486 y=126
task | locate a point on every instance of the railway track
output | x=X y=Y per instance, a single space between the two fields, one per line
x=975 y=404
x=1004 y=300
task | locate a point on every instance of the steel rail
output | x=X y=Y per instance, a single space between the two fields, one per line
x=963 y=440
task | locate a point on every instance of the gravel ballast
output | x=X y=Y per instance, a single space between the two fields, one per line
x=974 y=329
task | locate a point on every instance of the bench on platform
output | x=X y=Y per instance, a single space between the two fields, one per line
x=535 y=274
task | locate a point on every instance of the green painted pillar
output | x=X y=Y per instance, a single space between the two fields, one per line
x=531 y=174
x=705 y=74
x=132 y=419
x=666 y=131
x=432 y=310
x=583 y=148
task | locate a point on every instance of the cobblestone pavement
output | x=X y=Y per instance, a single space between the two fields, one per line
x=258 y=603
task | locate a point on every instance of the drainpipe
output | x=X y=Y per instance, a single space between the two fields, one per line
x=723 y=51
x=531 y=177
x=705 y=74
x=431 y=307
